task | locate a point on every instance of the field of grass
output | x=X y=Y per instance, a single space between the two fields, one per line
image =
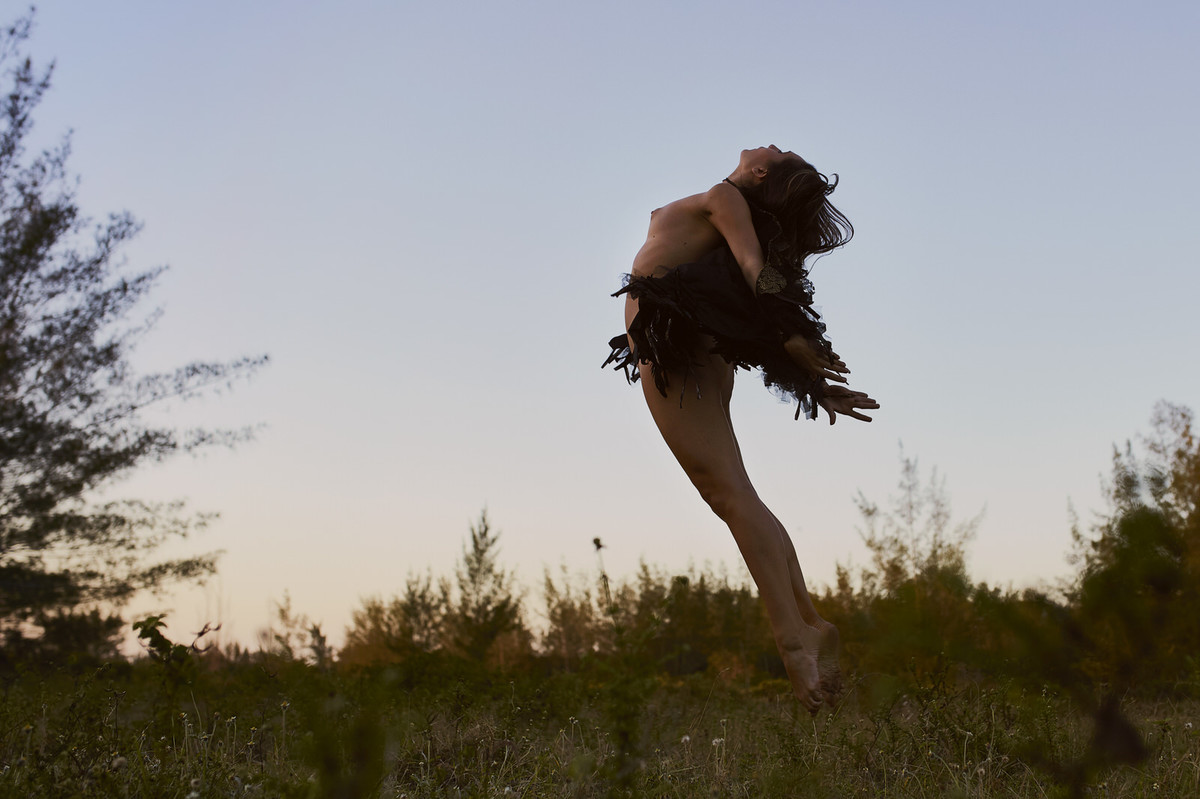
x=442 y=728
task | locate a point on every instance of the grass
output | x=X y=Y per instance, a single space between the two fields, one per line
x=449 y=730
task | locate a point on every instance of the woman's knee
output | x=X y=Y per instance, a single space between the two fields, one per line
x=729 y=499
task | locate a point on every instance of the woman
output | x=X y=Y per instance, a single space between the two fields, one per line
x=721 y=283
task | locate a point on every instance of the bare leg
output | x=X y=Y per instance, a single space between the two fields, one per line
x=700 y=436
x=829 y=641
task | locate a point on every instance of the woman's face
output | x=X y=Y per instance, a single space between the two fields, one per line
x=766 y=157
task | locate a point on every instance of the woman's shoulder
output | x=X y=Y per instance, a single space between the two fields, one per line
x=724 y=196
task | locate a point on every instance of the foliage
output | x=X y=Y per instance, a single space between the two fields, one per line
x=390 y=632
x=293 y=637
x=71 y=406
x=1137 y=595
x=479 y=616
x=913 y=605
x=240 y=731
x=483 y=605
x=665 y=684
x=915 y=538
x=573 y=623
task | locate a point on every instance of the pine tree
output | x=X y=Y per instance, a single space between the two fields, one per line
x=486 y=605
x=71 y=406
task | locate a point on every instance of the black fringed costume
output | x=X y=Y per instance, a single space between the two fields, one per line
x=710 y=297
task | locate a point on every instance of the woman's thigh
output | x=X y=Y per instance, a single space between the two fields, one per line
x=696 y=427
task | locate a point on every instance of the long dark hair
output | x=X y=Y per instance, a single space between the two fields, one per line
x=797 y=196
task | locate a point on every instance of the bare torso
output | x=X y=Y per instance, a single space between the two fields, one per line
x=680 y=232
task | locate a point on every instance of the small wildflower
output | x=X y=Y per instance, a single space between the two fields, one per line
x=284 y=705
x=28 y=728
x=718 y=741
x=195 y=783
x=685 y=740
x=1187 y=726
x=1154 y=787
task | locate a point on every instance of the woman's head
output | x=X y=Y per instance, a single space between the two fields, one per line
x=797 y=195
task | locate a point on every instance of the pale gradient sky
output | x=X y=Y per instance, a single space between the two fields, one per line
x=418 y=210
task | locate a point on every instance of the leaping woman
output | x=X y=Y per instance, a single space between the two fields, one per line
x=720 y=283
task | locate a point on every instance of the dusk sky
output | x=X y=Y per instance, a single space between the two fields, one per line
x=419 y=211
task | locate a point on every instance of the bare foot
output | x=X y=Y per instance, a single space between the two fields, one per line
x=829 y=669
x=801 y=669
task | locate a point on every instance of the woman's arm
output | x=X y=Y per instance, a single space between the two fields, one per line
x=727 y=211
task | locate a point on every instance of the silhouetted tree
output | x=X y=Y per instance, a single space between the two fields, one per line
x=71 y=407
x=389 y=632
x=573 y=628
x=1137 y=597
x=915 y=537
x=483 y=606
x=914 y=603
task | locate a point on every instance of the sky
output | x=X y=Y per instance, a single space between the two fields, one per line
x=418 y=210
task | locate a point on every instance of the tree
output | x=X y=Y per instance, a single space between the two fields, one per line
x=1138 y=588
x=914 y=604
x=915 y=537
x=486 y=606
x=573 y=623
x=396 y=630
x=72 y=409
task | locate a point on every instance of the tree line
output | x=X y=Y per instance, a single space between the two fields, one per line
x=1124 y=621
